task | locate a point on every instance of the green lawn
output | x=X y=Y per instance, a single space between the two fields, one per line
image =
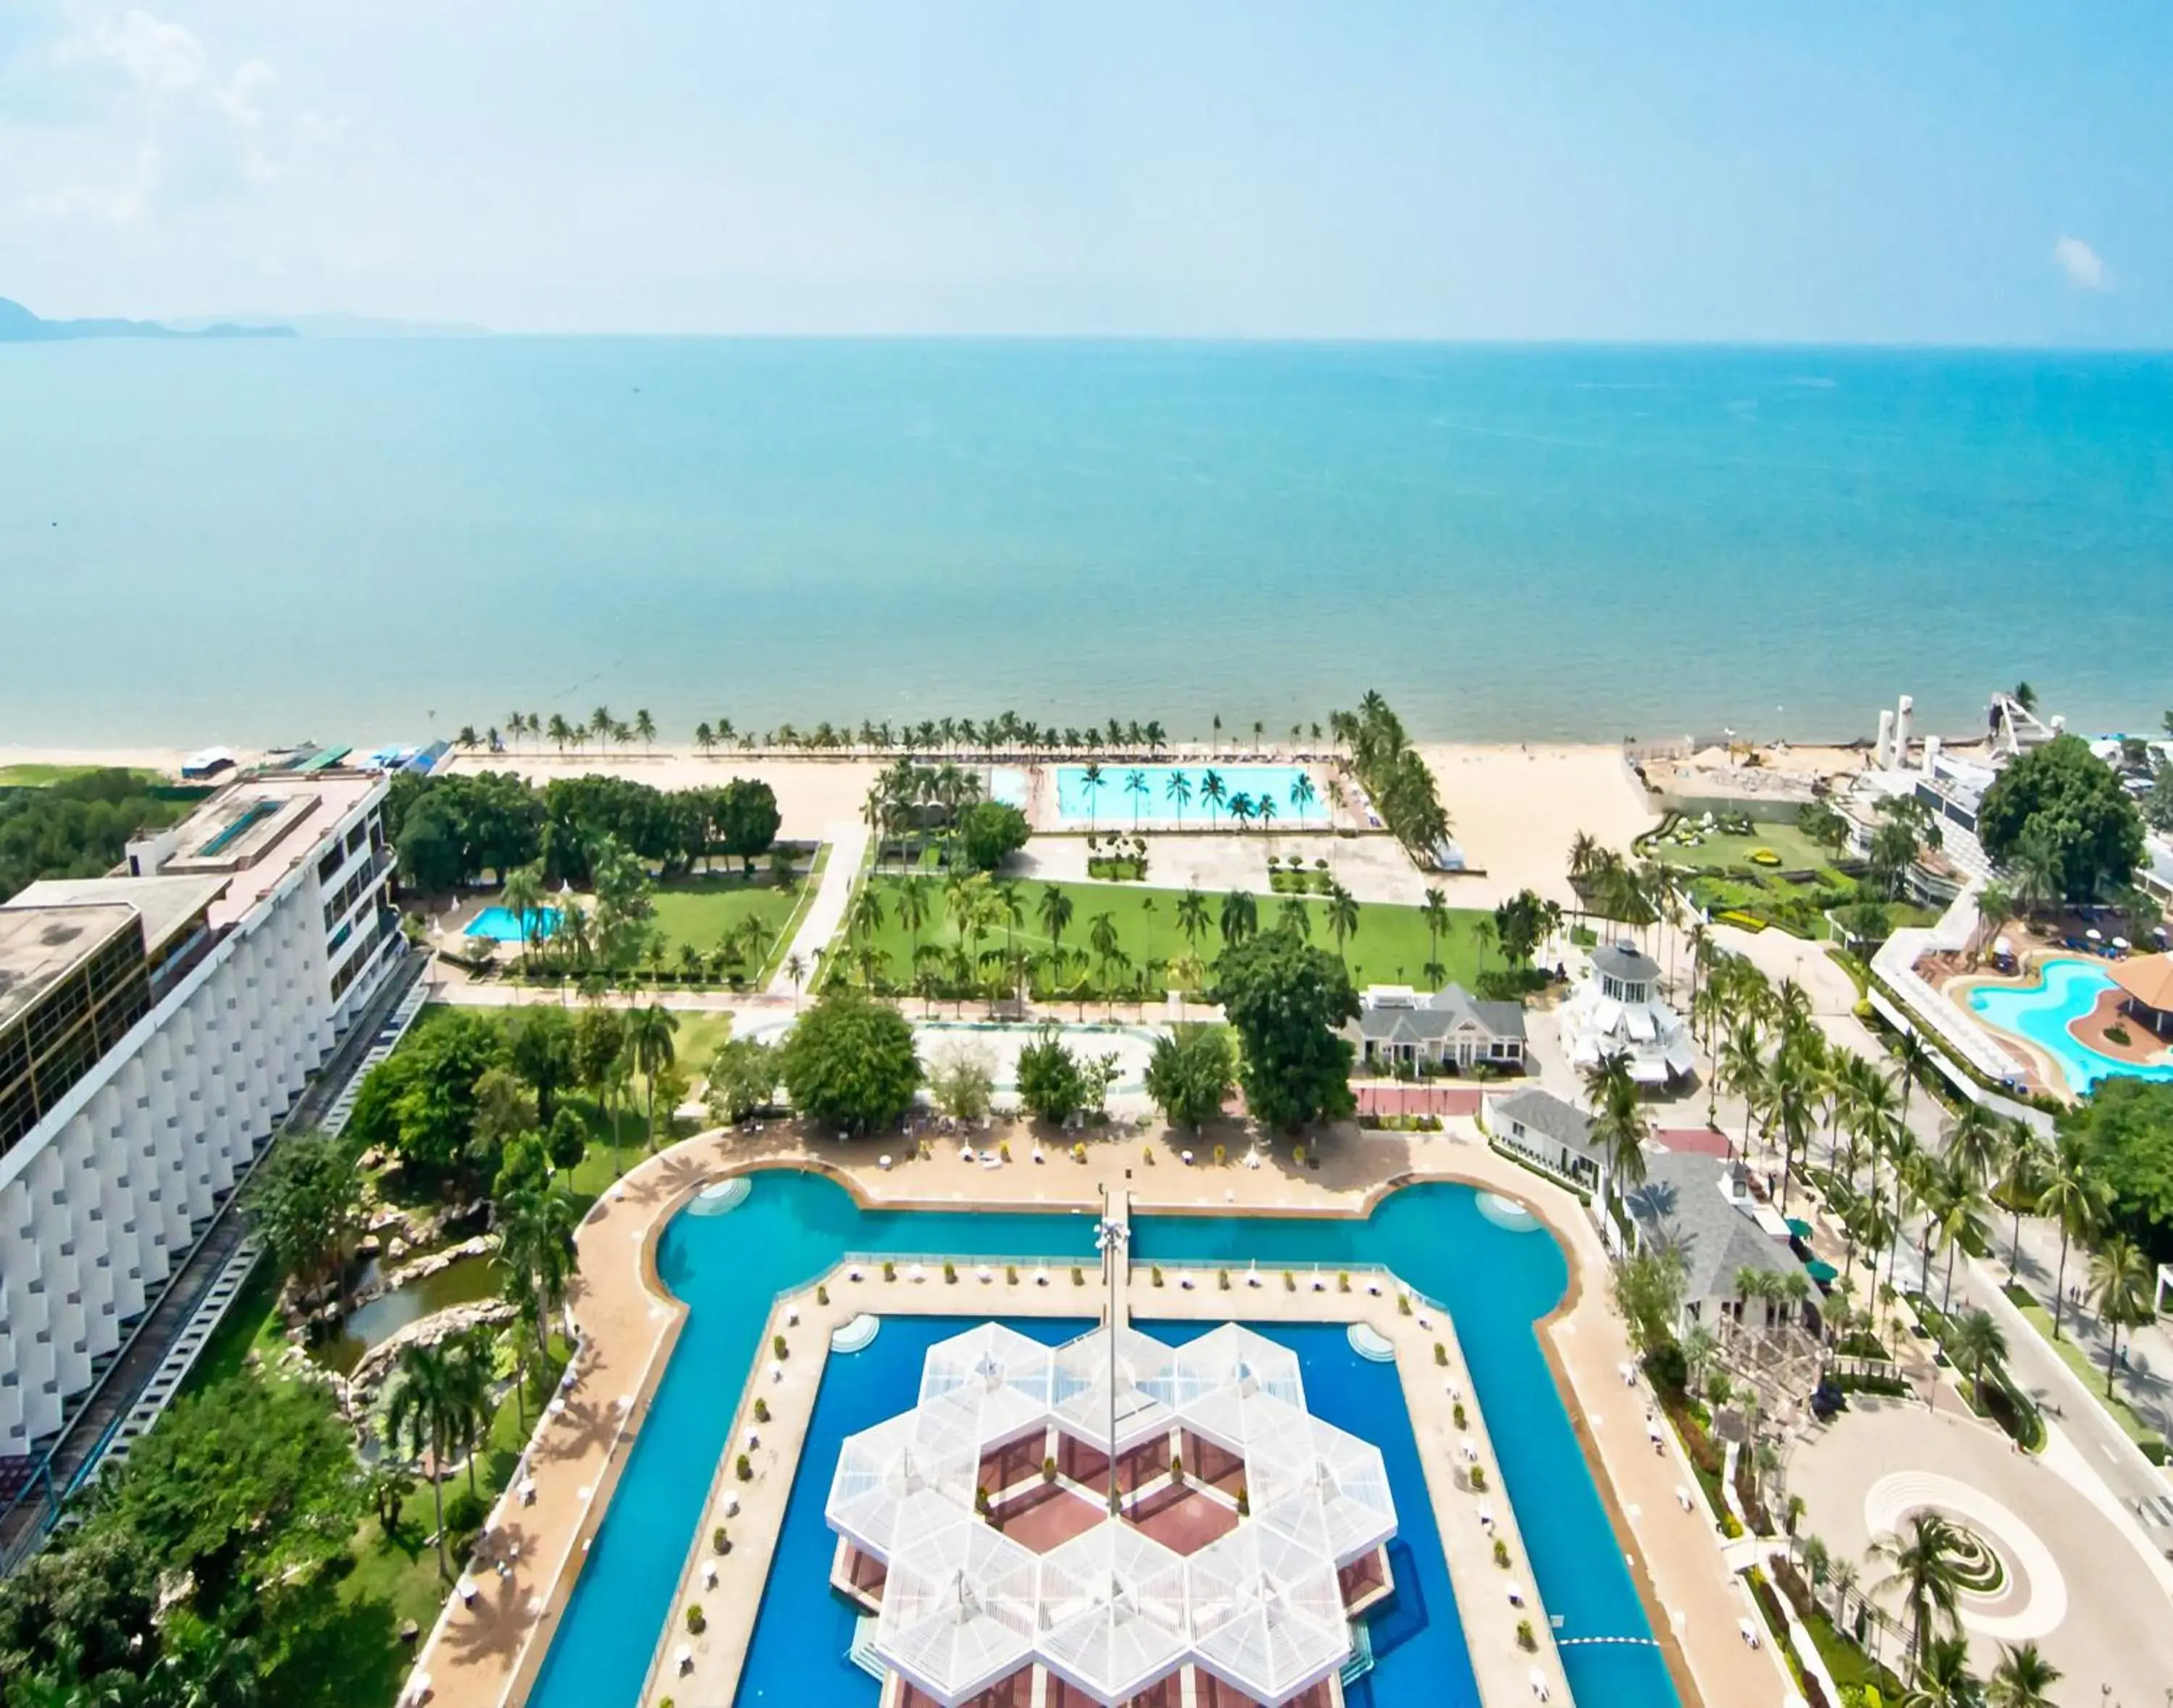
x=1391 y=945
x=701 y=910
x=1797 y=852
x=31 y=776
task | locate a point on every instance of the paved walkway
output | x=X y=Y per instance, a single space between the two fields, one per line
x=485 y=1653
x=847 y=844
x=2073 y=1588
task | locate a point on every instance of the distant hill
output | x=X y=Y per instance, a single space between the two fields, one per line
x=19 y=325
x=320 y=326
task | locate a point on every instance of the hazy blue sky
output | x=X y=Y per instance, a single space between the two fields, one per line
x=1696 y=168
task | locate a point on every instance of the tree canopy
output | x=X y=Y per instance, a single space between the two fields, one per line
x=2064 y=800
x=305 y=1205
x=849 y=1063
x=453 y=829
x=422 y=1101
x=1394 y=776
x=1051 y=1083
x=1191 y=1074
x=77 y=827
x=1286 y=1001
x=989 y=832
x=2125 y=1131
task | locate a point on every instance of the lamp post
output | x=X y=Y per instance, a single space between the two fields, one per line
x=1109 y=1239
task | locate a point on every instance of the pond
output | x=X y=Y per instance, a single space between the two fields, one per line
x=465 y=1281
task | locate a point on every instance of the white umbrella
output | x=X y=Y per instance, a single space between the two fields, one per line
x=2094 y=934
x=2120 y=943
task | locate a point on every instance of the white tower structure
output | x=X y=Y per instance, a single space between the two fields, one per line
x=1882 y=752
x=1901 y=715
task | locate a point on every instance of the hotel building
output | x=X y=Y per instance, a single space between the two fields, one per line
x=155 y=1025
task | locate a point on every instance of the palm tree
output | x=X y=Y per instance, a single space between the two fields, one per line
x=1091 y=780
x=560 y=732
x=1976 y=1343
x=1054 y=911
x=2023 y=1679
x=705 y=739
x=469 y=1355
x=644 y=727
x=795 y=969
x=1619 y=1126
x=1302 y=794
x=913 y=906
x=1101 y=939
x=1135 y=785
x=1943 y=1679
x=1484 y=931
x=1916 y=1060
x=1264 y=809
x=1192 y=918
x=2119 y=1287
x=865 y=917
x=2021 y=1179
x=1212 y=792
x=1294 y=915
x=601 y=723
x=524 y=899
x=1977 y=1142
x=1956 y=1205
x=1176 y=788
x=1921 y=1557
x=1342 y=911
x=421 y=1416
x=2077 y=1200
x=1741 y=1069
x=1435 y=912
x=649 y=1041
x=1240 y=917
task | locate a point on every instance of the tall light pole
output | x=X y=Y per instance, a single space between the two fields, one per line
x=1109 y=1239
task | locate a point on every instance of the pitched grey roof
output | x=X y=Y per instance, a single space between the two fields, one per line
x=1440 y=1015
x=1680 y=1206
x=1544 y=1113
x=1624 y=961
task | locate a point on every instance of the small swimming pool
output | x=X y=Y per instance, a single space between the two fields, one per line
x=502 y=925
x=2068 y=987
x=1172 y=795
x=793 y=1226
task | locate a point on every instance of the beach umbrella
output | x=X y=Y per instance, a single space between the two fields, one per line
x=2094 y=934
x=2120 y=943
x=1799 y=1227
x=1819 y=1270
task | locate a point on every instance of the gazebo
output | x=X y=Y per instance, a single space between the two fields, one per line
x=2147 y=981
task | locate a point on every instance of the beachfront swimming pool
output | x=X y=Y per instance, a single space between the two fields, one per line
x=802 y=1633
x=794 y=1227
x=2068 y=987
x=502 y=925
x=1115 y=806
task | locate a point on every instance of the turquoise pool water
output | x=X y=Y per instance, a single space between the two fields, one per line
x=502 y=925
x=794 y=1227
x=2067 y=988
x=1113 y=806
x=802 y=1633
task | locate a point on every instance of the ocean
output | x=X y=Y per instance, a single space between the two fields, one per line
x=366 y=541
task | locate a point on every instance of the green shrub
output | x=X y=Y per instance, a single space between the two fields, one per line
x=743 y=1467
x=697 y=1620
x=719 y=1542
x=760 y=1409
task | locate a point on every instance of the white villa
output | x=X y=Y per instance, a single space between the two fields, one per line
x=1399 y=1027
x=1617 y=1008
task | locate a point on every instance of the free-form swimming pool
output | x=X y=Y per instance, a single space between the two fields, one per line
x=802 y=1632
x=2068 y=987
x=1180 y=794
x=502 y=925
x=795 y=1227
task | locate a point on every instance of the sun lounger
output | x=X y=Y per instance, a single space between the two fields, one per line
x=1749 y=1631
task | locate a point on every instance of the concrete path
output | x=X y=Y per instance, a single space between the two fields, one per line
x=849 y=846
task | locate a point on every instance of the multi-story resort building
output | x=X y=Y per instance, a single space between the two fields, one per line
x=155 y=1025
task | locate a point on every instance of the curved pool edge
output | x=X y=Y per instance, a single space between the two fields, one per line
x=646 y=1203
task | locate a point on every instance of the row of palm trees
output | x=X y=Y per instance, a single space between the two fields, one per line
x=1003 y=736
x=1213 y=793
x=599 y=727
x=979 y=907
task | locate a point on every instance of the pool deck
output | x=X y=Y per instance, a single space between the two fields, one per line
x=486 y=1651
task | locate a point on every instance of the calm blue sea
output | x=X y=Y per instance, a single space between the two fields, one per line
x=262 y=541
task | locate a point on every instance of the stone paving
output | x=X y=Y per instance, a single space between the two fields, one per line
x=485 y=1651
x=2074 y=1586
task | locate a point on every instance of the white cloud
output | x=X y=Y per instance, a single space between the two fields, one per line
x=2084 y=267
x=173 y=127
